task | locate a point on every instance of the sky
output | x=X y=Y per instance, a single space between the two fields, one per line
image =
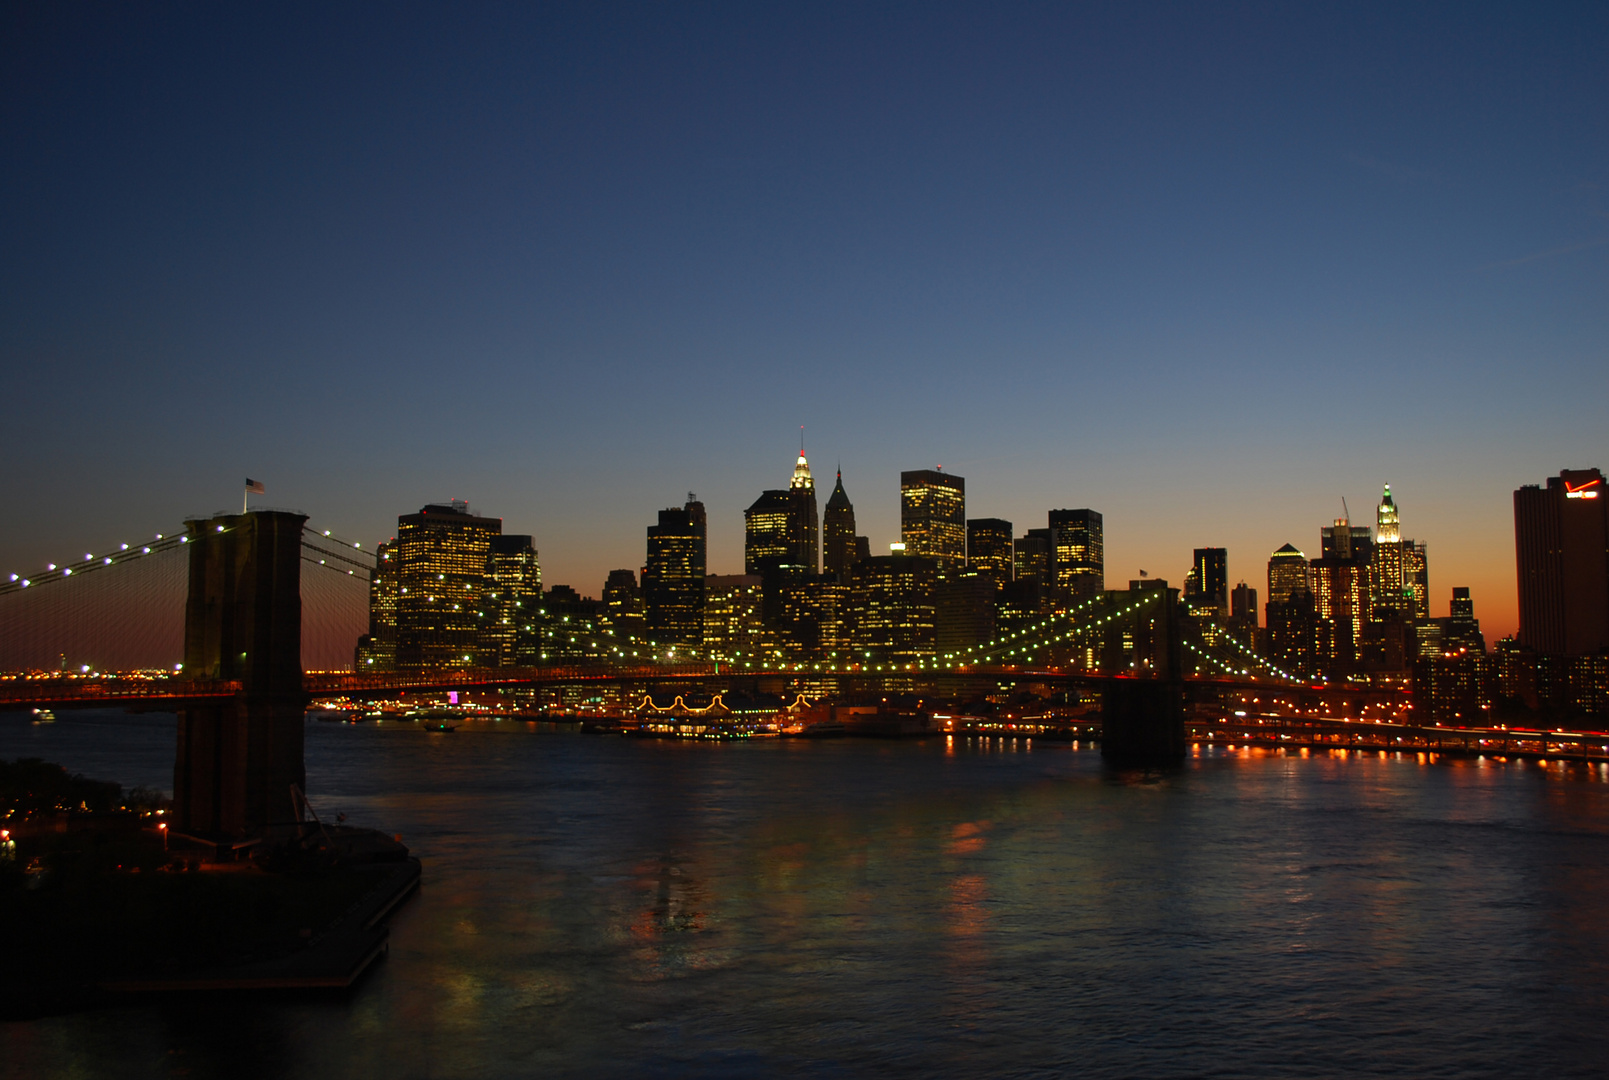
x=1207 y=269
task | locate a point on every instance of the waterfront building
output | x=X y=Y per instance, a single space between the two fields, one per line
x=989 y=549
x=441 y=572
x=838 y=547
x=673 y=579
x=891 y=610
x=933 y=516
x=1296 y=638
x=1078 y=557
x=1207 y=584
x=509 y=631
x=1561 y=551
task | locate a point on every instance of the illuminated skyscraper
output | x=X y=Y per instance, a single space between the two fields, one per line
x=1561 y=548
x=765 y=532
x=804 y=545
x=1342 y=592
x=838 y=532
x=1078 y=557
x=933 y=516
x=441 y=571
x=673 y=579
x=989 y=549
x=1287 y=574
x=510 y=631
x=891 y=608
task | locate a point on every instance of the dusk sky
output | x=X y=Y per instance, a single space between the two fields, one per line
x=1207 y=269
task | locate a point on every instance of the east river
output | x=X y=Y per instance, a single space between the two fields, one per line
x=597 y=906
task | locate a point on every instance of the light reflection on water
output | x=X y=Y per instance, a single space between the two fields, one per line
x=951 y=908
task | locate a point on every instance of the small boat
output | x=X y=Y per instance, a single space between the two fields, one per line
x=439 y=725
x=44 y=716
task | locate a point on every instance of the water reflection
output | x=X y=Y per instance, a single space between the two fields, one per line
x=603 y=906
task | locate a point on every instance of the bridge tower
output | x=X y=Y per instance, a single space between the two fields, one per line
x=236 y=762
x=1142 y=720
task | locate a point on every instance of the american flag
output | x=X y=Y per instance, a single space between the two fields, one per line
x=254 y=487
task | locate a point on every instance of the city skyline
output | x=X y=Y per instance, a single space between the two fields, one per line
x=1205 y=272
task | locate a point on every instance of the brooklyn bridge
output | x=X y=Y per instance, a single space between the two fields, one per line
x=261 y=611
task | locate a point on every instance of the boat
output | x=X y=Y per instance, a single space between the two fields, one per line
x=436 y=718
x=44 y=716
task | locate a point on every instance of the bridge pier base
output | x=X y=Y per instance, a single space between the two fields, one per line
x=1142 y=722
x=235 y=762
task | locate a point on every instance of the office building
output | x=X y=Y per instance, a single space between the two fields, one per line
x=933 y=516
x=1078 y=557
x=891 y=609
x=838 y=548
x=1561 y=551
x=440 y=559
x=623 y=608
x=964 y=609
x=1033 y=557
x=733 y=628
x=766 y=532
x=1461 y=631
x=989 y=549
x=673 y=579
x=804 y=543
x=1287 y=574
x=509 y=632
x=1342 y=593
x=377 y=650
x=1206 y=586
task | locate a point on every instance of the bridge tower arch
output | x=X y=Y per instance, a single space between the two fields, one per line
x=236 y=761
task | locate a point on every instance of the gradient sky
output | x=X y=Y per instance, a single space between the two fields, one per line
x=1206 y=269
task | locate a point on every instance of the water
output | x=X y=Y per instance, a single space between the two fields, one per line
x=599 y=906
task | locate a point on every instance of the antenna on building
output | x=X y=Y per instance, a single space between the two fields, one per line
x=1345 y=512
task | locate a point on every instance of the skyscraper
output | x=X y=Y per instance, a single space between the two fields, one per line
x=838 y=532
x=1033 y=552
x=1287 y=574
x=989 y=549
x=804 y=545
x=1342 y=592
x=1401 y=588
x=510 y=634
x=1078 y=558
x=933 y=516
x=766 y=532
x=441 y=570
x=1561 y=551
x=1207 y=583
x=673 y=579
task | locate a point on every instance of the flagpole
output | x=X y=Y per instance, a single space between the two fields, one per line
x=245 y=500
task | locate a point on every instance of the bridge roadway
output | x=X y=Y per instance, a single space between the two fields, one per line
x=155 y=689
